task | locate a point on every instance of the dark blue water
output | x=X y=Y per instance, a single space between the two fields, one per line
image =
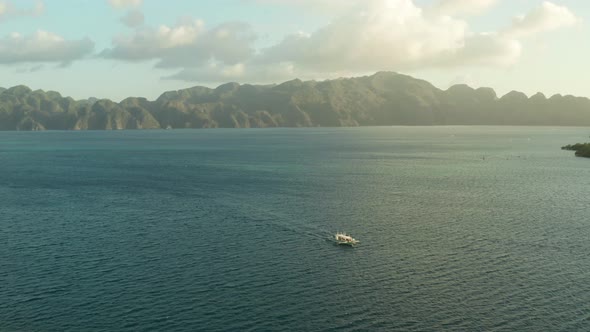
x=462 y=228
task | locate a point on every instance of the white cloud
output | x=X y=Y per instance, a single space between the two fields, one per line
x=547 y=17
x=8 y=9
x=37 y=10
x=118 y=4
x=42 y=46
x=482 y=49
x=391 y=35
x=364 y=36
x=188 y=44
x=385 y=35
x=462 y=7
x=152 y=43
x=133 y=19
x=324 y=6
x=217 y=73
x=440 y=7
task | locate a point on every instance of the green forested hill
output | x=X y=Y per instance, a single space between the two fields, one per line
x=582 y=149
x=382 y=99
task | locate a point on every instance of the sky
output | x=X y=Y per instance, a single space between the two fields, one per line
x=119 y=48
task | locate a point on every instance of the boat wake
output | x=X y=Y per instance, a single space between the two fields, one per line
x=259 y=216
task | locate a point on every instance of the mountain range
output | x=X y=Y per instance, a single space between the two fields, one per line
x=382 y=99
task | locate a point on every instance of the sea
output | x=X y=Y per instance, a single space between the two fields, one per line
x=460 y=229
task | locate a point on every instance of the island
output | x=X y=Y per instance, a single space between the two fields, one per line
x=382 y=99
x=582 y=149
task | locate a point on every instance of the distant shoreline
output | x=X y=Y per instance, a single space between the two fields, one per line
x=302 y=128
x=382 y=99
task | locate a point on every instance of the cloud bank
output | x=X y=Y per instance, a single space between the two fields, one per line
x=42 y=46
x=10 y=10
x=546 y=17
x=462 y=7
x=119 y=4
x=133 y=19
x=391 y=35
x=188 y=44
x=362 y=37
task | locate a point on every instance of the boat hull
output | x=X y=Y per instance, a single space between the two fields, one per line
x=345 y=240
x=344 y=243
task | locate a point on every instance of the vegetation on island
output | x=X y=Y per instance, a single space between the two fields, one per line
x=582 y=149
x=382 y=99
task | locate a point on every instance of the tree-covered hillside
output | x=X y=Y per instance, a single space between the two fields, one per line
x=582 y=149
x=381 y=99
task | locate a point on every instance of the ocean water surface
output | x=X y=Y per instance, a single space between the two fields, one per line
x=461 y=229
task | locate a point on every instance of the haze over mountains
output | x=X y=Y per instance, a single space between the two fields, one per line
x=384 y=98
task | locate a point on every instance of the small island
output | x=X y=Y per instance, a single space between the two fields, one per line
x=582 y=149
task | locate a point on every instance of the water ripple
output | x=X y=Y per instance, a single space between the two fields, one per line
x=193 y=230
